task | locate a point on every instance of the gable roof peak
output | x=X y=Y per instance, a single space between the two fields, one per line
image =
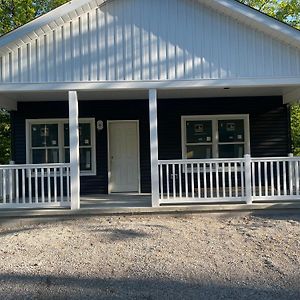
x=75 y=8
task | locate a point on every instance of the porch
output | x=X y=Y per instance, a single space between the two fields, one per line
x=180 y=182
x=168 y=180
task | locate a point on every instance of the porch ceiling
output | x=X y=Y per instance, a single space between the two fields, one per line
x=12 y=97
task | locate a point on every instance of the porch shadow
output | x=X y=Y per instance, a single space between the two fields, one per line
x=24 y=286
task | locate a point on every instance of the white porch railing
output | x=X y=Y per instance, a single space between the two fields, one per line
x=43 y=185
x=229 y=180
x=275 y=178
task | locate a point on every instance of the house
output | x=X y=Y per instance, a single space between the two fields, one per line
x=185 y=99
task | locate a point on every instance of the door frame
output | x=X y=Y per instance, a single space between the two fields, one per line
x=138 y=151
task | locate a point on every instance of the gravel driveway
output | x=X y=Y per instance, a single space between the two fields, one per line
x=153 y=257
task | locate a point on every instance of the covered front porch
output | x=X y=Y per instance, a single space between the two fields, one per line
x=258 y=174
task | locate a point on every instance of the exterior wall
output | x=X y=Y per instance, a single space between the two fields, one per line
x=269 y=134
x=104 y=110
x=149 y=40
x=268 y=128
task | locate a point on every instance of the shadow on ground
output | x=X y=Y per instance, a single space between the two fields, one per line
x=17 y=286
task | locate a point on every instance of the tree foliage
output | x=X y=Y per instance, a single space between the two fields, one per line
x=287 y=11
x=4 y=137
x=295 y=128
x=15 y=13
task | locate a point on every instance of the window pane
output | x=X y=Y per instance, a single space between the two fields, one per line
x=231 y=131
x=194 y=152
x=84 y=134
x=44 y=135
x=66 y=135
x=85 y=159
x=41 y=156
x=231 y=151
x=67 y=155
x=199 y=132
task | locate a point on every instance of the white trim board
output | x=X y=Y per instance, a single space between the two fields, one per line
x=91 y=121
x=138 y=150
x=292 y=82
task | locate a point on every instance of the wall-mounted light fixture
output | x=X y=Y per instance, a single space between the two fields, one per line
x=100 y=125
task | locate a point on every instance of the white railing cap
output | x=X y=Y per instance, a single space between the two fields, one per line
x=35 y=166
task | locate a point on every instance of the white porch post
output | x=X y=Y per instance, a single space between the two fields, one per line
x=248 y=184
x=74 y=150
x=154 y=147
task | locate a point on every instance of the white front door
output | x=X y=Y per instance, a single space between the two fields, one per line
x=123 y=156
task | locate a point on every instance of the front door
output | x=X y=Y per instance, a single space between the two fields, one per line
x=123 y=156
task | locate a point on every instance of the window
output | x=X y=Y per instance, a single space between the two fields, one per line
x=48 y=142
x=217 y=136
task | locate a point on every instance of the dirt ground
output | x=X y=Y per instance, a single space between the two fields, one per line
x=153 y=257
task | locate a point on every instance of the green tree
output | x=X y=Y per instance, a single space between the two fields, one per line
x=287 y=11
x=15 y=13
x=4 y=137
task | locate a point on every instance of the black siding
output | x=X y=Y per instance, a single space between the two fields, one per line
x=104 y=110
x=269 y=123
x=268 y=128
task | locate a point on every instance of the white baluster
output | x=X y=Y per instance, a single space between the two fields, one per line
x=259 y=179
x=168 y=182
x=55 y=184
x=186 y=180
x=266 y=178
x=236 y=184
x=49 y=184
x=17 y=187
x=43 y=184
x=284 y=179
x=61 y=174
x=278 y=178
x=223 y=180
x=68 y=183
x=36 y=185
x=29 y=186
x=205 y=181
x=174 y=181
x=23 y=186
x=297 y=177
x=4 y=185
x=217 y=179
x=211 y=181
x=193 y=181
x=272 y=178
x=11 y=184
x=180 y=180
x=253 y=179
x=198 y=181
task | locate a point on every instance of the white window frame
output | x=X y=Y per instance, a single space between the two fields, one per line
x=215 y=138
x=61 y=146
